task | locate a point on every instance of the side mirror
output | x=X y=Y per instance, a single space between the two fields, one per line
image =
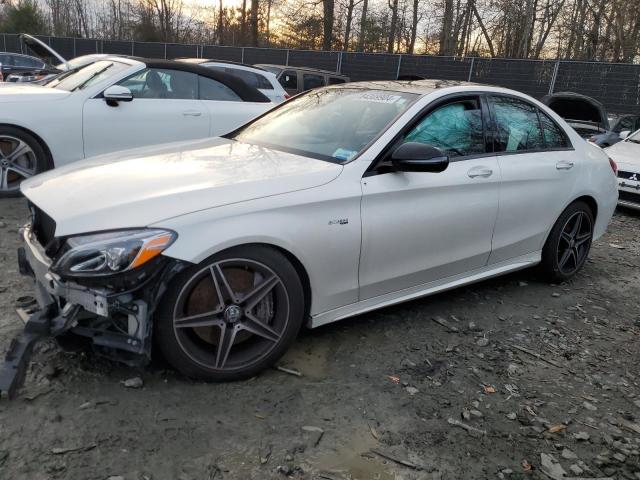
x=117 y=93
x=624 y=134
x=418 y=157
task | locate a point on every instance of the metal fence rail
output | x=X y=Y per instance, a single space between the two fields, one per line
x=616 y=85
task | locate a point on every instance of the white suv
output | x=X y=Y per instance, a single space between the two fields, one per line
x=256 y=77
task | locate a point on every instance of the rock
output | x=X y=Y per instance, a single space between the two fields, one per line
x=288 y=457
x=284 y=469
x=412 y=390
x=466 y=414
x=313 y=435
x=581 y=436
x=482 y=342
x=555 y=294
x=551 y=467
x=576 y=470
x=115 y=477
x=3 y=224
x=619 y=457
x=589 y=406
x=135 y=382
x=85 y=405
x=476 y=413
x=512 y=416
x=568 y=454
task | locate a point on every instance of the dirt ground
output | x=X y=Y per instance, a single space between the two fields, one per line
x=510 y=378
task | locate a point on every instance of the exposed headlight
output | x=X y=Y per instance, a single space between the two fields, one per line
x=108 y=253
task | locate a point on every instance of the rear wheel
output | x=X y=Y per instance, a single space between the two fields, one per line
x=232 y=315
x=569 y=242
x=21 y=157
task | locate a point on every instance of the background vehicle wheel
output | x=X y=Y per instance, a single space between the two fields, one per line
x=569 y=242
x=231 y=316
x=21 y=157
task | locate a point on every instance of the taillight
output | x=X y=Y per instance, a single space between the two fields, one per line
x=614 y=166
x=287 y=96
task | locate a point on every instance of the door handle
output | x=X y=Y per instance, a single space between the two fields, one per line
x=480 y=172
x=192 y=113
x=564 y=165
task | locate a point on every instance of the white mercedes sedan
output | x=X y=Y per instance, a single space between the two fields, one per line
x=338 y=202
x=626 y=154
x=115 y=103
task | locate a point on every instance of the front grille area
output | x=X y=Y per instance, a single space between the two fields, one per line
x=629 y=196
x=622 y=174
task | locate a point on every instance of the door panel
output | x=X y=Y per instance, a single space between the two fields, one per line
x=421 y=227
x=141 y=122
x=227 y=116
x=534 y=190
x=536 y=185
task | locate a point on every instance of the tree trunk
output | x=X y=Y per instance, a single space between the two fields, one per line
x=254 y=22
x=447 y=26
x=243 y=23
x=414 y=27
x=363 y=25
x=269 y=2
x=393 y=5
x=347 y=28
x=220 y=23
x=483 y=28
x=327 y=27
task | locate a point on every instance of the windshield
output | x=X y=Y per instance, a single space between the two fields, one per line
x=270 y=68
x=84 y=77
x=332 y=124
x=635 y=138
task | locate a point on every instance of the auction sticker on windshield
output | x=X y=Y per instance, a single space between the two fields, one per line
x=379 y=97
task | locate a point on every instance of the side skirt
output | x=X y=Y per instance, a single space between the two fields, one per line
x=426 y=289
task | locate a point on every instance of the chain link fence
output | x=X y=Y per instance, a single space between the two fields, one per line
x=616 y=85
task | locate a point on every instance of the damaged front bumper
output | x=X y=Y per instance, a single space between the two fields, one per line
x=117 y=321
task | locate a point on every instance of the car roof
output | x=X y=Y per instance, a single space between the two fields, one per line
x=307 y=69
x=246 y=92
x=420 y=87
x=200 y=61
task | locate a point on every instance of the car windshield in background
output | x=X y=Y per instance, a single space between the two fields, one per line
x=635 y=138
x=333 y=124
x=269 y=68
x=87 y=76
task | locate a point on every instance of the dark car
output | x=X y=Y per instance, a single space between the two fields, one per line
x=300 y=79
x=586 y=115
x=625 y=123
x=19 y=64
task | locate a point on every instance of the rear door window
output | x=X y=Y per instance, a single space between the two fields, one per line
x=336 y=80
x=311 y=80
x=289 y=79
x=517 y=127
x=211 y=89
x=554 y=137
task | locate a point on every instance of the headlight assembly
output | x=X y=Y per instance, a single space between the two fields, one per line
x=109 y=253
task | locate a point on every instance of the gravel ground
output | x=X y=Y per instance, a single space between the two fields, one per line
x=509 y=378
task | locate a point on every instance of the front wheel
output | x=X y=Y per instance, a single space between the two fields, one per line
x=569 y=242
x=231 y=316
x=21 y=157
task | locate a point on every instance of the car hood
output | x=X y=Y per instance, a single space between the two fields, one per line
x=25 y=92
x=140 y=187
x=625 y=153
x=576 y=108
x=42 y=50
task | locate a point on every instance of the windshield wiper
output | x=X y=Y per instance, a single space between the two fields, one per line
x=633 y=140
x=99 y=72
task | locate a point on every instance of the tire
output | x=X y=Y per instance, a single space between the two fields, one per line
x=191 y=322
x=567 y=247
x=30 y=159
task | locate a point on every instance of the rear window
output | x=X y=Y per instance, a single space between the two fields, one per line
x=311 y=81
x=289 y=79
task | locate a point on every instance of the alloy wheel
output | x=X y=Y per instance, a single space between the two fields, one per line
x=17 y=163
x=574 y=242
x=231 y=314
